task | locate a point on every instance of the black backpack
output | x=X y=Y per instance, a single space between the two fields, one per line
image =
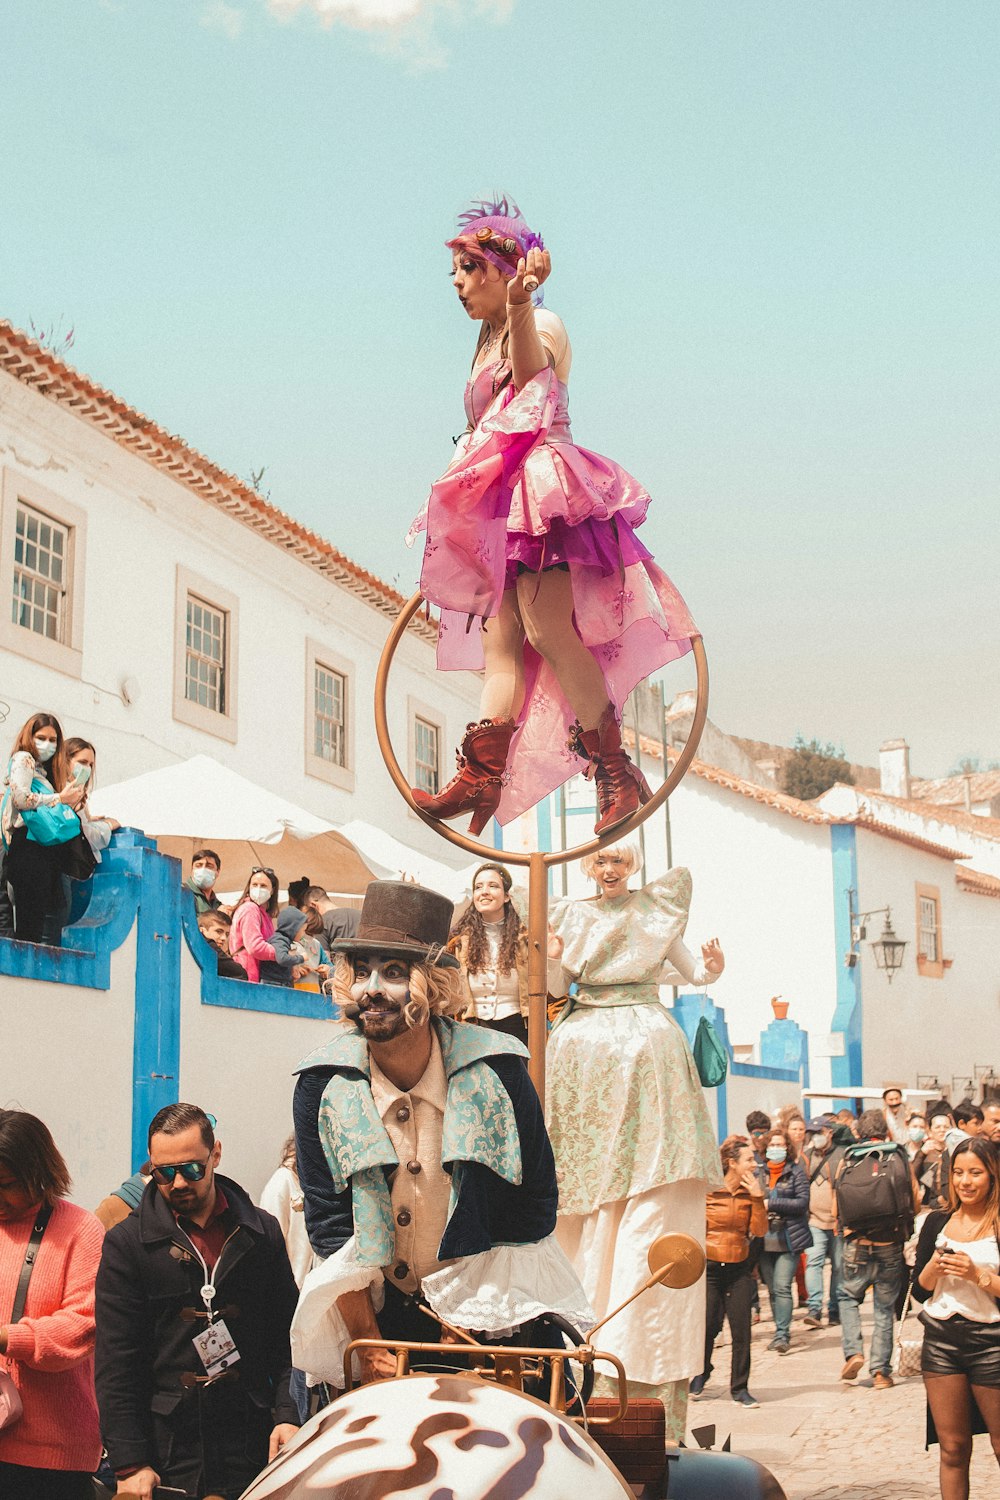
x=875 y=1191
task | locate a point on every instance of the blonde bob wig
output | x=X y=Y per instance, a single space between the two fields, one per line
x=434 y=991
x=627 y=853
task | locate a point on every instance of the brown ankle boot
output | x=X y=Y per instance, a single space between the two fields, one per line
x=482 y=761
x=621 y=788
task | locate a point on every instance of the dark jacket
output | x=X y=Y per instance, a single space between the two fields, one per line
x=278 y=970
x=489 y=1210
x=228 y=968
x=203 y=901
x=788 y=1207
x=148 y=1287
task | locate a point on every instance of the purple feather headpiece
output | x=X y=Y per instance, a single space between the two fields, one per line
x=501 y=235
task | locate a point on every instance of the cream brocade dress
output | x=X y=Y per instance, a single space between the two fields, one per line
x=634 y=1145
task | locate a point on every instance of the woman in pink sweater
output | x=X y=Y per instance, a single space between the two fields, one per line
x=56 y=1445
x=253 y=922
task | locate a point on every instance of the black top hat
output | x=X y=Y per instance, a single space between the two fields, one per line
x=402 y=920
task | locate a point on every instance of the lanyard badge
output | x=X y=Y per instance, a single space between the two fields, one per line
x=216 y=1348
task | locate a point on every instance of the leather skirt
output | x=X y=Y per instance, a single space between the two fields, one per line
x=961 y=1346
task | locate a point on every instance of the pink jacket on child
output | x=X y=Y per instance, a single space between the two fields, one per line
x=50 y=1352
x=248 y=937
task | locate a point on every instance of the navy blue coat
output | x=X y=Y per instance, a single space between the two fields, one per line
x=788 y=1207
x=489 y=1210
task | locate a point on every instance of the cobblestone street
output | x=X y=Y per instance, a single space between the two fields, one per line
x=822 y=1438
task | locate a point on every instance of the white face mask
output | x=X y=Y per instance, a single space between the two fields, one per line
x=261 y=894
x=45 y=749
x=203 y=877
x=81 y=773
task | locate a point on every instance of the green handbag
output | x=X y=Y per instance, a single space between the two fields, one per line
x=710 y=1056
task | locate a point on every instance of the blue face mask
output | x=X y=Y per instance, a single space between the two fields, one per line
x=917 y=1133
x=776 y=1153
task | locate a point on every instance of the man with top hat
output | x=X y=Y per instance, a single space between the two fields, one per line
x=428 y=1177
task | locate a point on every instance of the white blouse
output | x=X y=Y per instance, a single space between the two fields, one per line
x=954 y=1296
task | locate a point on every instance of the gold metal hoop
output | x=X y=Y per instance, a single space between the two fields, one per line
x=538 y=863
x=510 y=856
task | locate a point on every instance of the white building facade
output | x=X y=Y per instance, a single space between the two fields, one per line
x=160 y=608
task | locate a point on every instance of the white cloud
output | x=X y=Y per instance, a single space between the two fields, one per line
x=379 y=15
x=220 y=16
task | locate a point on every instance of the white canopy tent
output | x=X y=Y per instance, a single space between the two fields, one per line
x=380 y=847
x=202 y=802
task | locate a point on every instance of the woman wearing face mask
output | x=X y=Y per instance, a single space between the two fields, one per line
x=253 y=922
x=490 y=942
x=788 y=1232
x=957 y=1278
x=79 y=762
x=634 y=1146
x=35 y=779
x=933 y=1178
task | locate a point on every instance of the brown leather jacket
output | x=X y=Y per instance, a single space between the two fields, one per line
x=732 y=1219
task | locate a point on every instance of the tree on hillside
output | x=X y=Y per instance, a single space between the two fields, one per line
x=812 y=769
x=969 y=765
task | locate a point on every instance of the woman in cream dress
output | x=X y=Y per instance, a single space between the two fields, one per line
x=634 y=1145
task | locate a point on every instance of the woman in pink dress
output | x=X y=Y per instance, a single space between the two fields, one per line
x=532 y=558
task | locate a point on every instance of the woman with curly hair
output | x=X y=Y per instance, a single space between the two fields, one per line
x=490 y=941
x=532 y=557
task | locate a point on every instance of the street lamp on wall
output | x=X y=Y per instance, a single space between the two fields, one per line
x=887 y=950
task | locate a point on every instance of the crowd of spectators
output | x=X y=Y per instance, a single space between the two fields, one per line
x=794 y=1202
x=111 y=1281
x=49 y=842
x=259 y=940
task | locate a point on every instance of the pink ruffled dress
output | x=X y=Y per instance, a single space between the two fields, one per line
x=520 y=494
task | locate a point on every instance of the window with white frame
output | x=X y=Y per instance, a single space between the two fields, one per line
x=205 y=655
x=43 y=554
x=41 y=573
x=927 y=940
x=329 y=715
x=206 y=650
x=426 y=756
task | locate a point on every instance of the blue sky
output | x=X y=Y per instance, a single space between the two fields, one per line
x=774 y=234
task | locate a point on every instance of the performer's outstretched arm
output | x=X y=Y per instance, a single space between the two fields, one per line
x=527 y=354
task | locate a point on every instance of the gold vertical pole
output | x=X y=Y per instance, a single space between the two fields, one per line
x=538 y=946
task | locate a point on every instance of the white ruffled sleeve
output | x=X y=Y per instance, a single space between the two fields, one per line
x=499 y=1289
x=319 y=1334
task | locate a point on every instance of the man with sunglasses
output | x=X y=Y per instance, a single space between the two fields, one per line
x=194 y=1302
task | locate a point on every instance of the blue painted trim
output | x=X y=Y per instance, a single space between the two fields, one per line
x=845 y=1071
x=109 y=902
x=756 y=1070
x=156 y=1050
x=240 y=994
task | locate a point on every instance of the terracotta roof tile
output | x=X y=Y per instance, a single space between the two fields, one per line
x=807 y=812
x=902 y=836
x=979 y=882
x=35 y=366
x=987 y=828
x=949 y=791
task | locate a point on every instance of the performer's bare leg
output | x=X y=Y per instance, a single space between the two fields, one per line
x=503 y=660
x=545 y=601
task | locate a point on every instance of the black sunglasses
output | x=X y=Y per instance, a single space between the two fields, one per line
x=191 y=1171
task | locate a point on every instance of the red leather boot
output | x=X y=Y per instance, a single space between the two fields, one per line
x=482 y=761
x=621 y=787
